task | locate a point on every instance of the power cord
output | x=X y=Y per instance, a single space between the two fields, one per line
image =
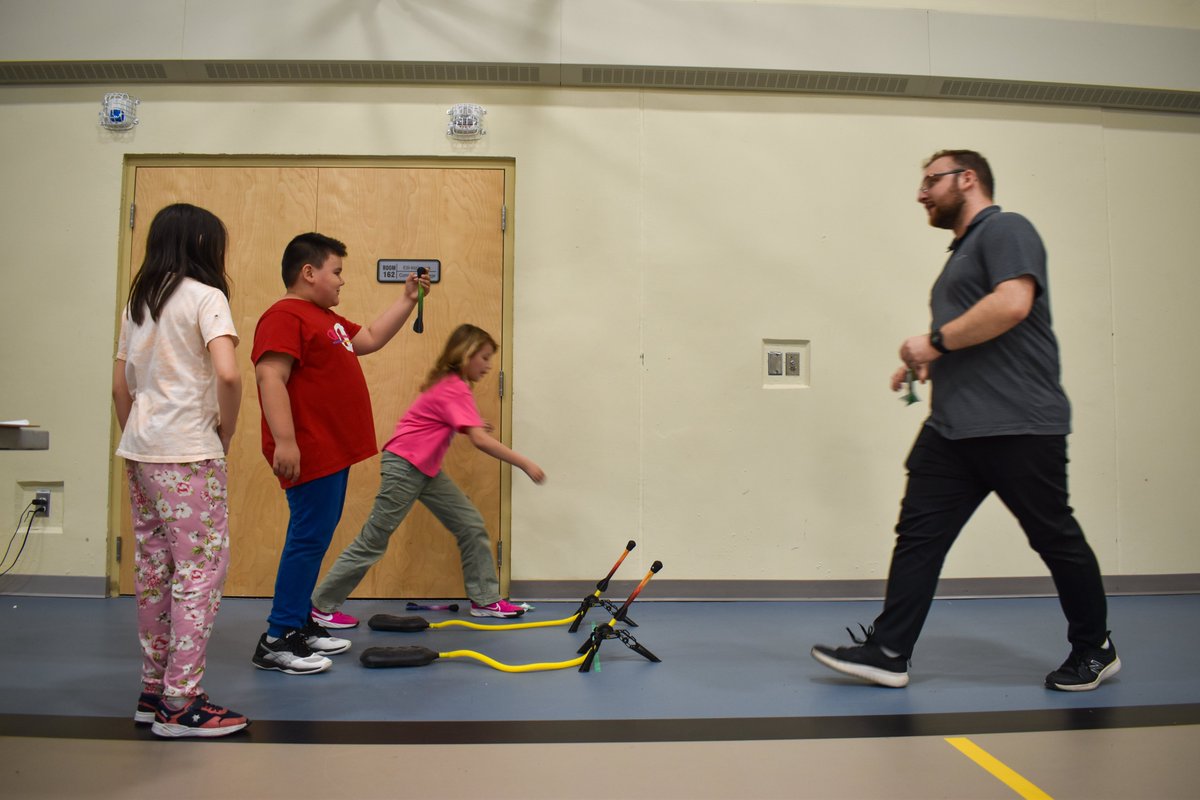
x=32 y=510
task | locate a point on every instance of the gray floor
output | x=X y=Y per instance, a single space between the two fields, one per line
x=736 y=708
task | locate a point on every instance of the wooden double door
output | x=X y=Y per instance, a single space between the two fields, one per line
x=453 y=214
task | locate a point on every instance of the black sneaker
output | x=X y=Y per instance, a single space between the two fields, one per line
x=1085 y=668
x=865 y=660
x=289 y=653
x=197 y=718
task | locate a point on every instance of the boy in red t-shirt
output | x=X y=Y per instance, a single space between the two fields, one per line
x=317 y=422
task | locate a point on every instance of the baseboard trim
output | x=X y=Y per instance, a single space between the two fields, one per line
x=54 y=586
x=567 y=731
x=1041 y=586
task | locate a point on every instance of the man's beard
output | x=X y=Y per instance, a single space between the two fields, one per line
x=945 y=214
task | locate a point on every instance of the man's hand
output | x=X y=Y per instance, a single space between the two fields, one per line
x=916 y=352
x=900 y=376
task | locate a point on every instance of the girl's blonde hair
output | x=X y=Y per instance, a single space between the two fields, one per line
x=464 y=343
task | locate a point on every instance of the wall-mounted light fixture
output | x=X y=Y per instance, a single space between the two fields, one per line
x=466 y=122
x=118 y=111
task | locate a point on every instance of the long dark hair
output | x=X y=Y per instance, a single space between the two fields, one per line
x=184 y=241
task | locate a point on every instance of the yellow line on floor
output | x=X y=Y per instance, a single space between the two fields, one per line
x=998 y=769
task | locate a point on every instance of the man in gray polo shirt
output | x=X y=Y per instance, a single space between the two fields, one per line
x=998 y=423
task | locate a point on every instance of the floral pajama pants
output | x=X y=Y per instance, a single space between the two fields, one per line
x=180 y=525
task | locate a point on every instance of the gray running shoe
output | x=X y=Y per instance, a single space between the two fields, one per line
x=289 y=653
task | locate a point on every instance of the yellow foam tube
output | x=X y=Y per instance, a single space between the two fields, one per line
x=516 y=626
x=494 y=664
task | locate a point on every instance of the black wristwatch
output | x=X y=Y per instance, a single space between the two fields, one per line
x=935 y=339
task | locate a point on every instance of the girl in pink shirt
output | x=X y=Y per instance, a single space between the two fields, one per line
x=411 y=470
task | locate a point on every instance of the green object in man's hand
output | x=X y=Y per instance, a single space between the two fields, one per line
x=911 y=396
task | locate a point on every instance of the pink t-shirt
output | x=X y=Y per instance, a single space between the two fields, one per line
x=423 y=434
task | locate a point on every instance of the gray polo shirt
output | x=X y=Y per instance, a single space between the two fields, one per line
x=1011 y=384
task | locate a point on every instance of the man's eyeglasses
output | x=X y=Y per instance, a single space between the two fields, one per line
x=931 y=180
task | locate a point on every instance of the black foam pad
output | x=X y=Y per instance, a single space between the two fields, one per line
x=412 y=656
x=391 y=622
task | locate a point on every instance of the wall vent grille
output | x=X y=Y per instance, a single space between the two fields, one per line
x=81 y=71
x=738 y=79
x=1071 y=94
x=15 y=73
x=368 y=72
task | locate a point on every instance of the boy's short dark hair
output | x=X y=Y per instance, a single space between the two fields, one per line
x=308 y=248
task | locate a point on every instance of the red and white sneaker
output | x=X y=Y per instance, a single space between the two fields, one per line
x=334 y=619
x=198 y=718
x=500 y=608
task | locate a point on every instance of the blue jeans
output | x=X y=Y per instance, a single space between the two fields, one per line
x=316 y=509
x=400 y=486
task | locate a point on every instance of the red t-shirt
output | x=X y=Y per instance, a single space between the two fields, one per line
x=423 y=434
x=331 y=408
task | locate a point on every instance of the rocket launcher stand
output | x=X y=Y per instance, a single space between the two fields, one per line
x=601 y=633
x=413 y=624
x=594 y=598
x=422 y=656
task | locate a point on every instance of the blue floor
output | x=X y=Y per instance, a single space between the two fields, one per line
x=72 y=658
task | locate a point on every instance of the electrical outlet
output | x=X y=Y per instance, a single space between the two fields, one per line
x=774 y=363
x=41 y=499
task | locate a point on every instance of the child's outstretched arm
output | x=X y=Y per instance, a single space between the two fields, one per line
x=272 y=372
x=494 y=448
x=374 y=336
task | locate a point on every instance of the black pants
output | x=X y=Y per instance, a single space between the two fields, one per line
x=947 y=480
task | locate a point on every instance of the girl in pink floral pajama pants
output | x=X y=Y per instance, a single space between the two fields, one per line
x=182 y=556
x=177 y=389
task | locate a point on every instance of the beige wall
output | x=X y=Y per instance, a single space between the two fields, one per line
x=1167 y=13
x=660 y=237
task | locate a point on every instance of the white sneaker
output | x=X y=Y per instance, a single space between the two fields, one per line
x=320 y=642
x=289 y=653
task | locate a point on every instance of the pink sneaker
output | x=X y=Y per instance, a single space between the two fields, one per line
x=334 y=619
x=500 y=608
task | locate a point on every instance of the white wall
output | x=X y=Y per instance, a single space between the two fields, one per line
x=660 y=237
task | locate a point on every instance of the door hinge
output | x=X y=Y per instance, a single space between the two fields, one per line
x=502 y=383
x=119 y=541
x=503 y=218
x=499 y=554
x=132 y=214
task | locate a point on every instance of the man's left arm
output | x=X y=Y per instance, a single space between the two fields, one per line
x=1008 y=304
